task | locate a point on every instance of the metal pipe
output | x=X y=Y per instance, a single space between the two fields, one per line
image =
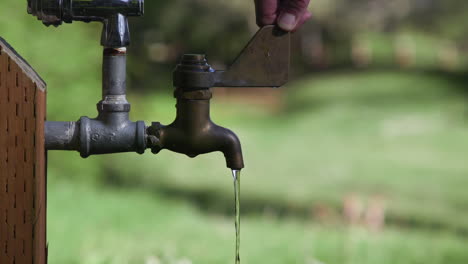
x=111 y=131
x=111 y=134
x=114 y=71
x=100 y=8
x=114 y=81
x=112 y=13
x=54 y=12
x=61 y=136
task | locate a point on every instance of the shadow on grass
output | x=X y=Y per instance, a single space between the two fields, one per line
x=212 y=201
x=456 y=85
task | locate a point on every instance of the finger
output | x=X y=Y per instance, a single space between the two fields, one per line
x=292 y=11
x=306 y=16
x=266 y=11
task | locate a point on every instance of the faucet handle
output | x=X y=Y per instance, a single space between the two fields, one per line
x=264 y=62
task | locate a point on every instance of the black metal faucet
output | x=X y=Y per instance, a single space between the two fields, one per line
x=193 y=133
x=263 y=63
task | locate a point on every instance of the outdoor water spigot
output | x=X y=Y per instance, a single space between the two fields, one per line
x=264 y=62
x=112 y=13
x=193 y=133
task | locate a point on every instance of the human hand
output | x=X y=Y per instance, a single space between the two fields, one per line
x=287 y=14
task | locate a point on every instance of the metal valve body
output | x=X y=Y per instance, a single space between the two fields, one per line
x=193 y=133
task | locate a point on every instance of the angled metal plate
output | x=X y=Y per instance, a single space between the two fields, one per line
x=264 y=62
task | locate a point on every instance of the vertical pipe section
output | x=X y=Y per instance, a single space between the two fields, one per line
x=114 y=72
x=114 y=82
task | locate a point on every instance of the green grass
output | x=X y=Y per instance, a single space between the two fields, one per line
x=100 y=225
x=66 y=57
x=398 y=136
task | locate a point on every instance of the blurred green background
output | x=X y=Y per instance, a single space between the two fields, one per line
x=360 y=159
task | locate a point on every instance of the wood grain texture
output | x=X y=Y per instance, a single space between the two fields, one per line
x=22 y=161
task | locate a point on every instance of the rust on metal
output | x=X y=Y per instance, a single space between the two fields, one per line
x=22 y=161
x=115 y=51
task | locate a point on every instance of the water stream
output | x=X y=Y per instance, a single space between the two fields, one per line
x=236 y=176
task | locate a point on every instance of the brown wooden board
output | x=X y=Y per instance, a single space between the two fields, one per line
x=22 y=161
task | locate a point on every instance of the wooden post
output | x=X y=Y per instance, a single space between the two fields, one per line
x=22 y=161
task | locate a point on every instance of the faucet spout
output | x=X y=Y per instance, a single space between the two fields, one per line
x=193 y=132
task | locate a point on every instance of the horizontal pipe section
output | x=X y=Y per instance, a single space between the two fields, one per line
x=100 y=8
x=61 y=136
x=112 y=134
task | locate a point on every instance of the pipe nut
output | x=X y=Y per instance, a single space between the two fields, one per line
x=154 y=134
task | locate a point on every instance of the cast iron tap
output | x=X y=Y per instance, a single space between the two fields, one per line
x=193 y=133
x=263 y=63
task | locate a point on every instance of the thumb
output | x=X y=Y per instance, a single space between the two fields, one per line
x=291 y=13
